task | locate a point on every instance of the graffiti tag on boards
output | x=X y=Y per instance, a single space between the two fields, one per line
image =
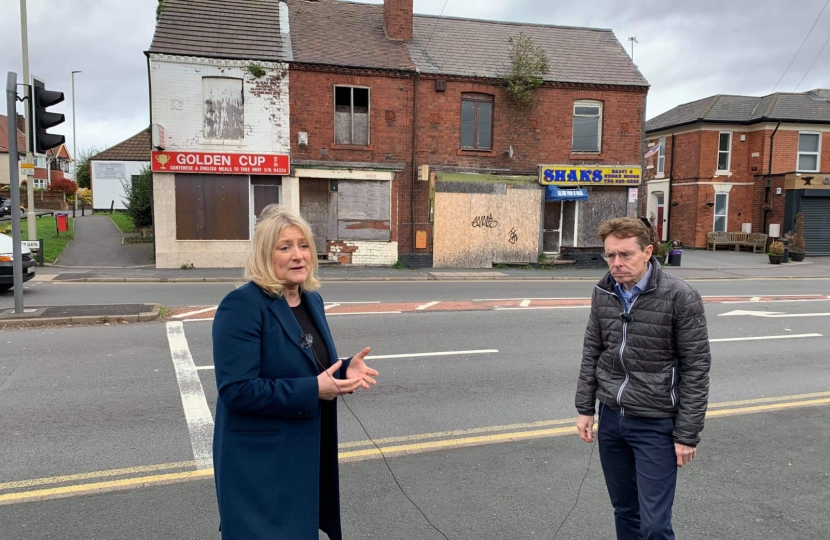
x=514 y=236
x=485 y=221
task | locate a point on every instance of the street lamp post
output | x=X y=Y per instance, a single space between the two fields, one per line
x=74 y=146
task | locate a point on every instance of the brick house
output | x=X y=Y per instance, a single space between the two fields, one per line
x=54 y=166
x=732 y=163
x=413 y=110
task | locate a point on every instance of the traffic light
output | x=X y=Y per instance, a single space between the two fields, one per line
x=39 y=140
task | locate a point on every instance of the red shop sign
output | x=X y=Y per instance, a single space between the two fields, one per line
x=220 y=163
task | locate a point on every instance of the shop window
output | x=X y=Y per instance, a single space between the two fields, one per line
x=223 y=108
x=661 y=157
x=587 y=134
x=724 y=150
x=364 y=210
x=808 y=151
x=721 y=206
x=477 y=121
x=212 y=207
x=351 y=115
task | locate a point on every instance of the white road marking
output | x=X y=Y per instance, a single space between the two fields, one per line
x=526 y=298
x=196 y=410
x=426 y=306
x=363 y=313
x=342 y=302
x=761 y=338
x=329 y=306
x=205 y=367
x=198 y=320
x=755 y=299
x=198 y=311
x=538 y=307
x=771 y=314
x=420 y=355
x=525 y=303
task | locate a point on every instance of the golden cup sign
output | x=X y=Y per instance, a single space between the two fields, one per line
x=162 y=159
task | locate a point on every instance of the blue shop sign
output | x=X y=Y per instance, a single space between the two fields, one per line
x=556 y=194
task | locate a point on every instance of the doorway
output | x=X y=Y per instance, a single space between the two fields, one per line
x=314 y=207
x=661 y=214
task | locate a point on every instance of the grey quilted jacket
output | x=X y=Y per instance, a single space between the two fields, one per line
x=652 y=361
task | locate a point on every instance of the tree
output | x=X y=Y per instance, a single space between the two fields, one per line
x=68 y=187
x=140 y=198
x=83 y=171
x=528 y=67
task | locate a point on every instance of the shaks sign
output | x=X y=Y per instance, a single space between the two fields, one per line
x=567 y=175
x=221 y=163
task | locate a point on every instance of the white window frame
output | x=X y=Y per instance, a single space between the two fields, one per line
x=661 y=157
x=817 y=153
x=728 y=152
x=352 y=87
x=588 y=103
x=725 y=214
x=40 y=183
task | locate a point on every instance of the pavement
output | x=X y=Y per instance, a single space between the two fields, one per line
x=98 y=255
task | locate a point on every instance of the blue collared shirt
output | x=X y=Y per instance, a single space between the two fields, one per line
x=628 y=297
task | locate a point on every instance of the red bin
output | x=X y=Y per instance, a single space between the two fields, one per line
x=62 y=221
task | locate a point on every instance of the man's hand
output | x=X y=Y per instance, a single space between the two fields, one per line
x=585 y=427
x=684 y=453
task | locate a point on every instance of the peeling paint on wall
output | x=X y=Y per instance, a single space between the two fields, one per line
x=224 y=118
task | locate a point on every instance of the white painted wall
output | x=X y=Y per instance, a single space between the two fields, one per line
x=107 y=190
x=178 y=106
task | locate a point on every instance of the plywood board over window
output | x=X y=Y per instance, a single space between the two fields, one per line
x=212 y=207
x=363 y=211
x=224 y=110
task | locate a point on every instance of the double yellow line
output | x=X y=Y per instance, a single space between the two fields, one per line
x=154 y=475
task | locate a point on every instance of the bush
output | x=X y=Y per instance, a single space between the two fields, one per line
x=82 y=167
x=140 y=198
x=68 y=187
x=776 y=248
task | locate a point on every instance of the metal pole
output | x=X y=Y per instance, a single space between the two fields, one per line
x=74 y=146
x=27 y=112
x=14 y=185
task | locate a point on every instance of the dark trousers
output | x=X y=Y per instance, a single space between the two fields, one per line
x=640 y=468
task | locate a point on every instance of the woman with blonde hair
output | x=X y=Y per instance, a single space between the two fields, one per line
x=277 y=372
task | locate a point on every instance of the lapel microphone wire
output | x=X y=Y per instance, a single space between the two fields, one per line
x=306 y=341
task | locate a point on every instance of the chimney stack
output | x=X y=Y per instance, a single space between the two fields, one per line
x=397 y=19
x=21 y=123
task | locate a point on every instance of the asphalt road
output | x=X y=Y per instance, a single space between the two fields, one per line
x=479 y=440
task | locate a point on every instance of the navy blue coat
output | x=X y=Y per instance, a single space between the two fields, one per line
x=266 y=444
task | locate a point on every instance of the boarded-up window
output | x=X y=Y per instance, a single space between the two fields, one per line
x=224 y=108
x=266 y=191
x=212 y=207
x=363 y=210
x=351 y=115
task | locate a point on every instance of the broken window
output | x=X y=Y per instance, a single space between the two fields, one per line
x=223 y=112
x=477 y=121
x=351 y=115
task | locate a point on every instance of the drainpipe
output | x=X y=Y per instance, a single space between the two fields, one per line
x=414 y=154
x=667 y=207
x=769 y=172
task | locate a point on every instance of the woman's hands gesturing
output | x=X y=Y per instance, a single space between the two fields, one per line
x=358 y=375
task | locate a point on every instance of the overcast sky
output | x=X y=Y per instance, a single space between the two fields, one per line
x=687 y=50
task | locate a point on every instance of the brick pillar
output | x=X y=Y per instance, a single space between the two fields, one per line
x=397 y=19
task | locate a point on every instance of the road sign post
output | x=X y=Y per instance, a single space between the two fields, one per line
x=14 y=187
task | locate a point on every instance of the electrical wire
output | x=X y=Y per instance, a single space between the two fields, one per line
x=814 y=63
x=391 y=472
x=802 y=45
x=436 y=24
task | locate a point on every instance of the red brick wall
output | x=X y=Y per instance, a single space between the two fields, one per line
x=397 y=19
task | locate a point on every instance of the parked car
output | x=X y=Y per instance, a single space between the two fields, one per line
x=6 y=207
x=7 y=259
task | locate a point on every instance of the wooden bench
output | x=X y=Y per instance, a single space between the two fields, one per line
x=755 y=241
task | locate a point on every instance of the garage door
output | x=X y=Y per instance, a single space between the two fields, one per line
x=816 y=225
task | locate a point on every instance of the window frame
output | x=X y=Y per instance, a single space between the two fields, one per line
x=351 y=88
x=476 y=98
x=587 y=103
x=728 y=152
x=725 y=214
x=661 y=157
x=817 y=153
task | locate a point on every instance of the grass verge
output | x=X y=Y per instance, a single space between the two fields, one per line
x=53 y=243
x=123 y=222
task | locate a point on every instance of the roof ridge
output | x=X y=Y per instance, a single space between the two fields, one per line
x=511 y=23
x=772 y=103
x=709 y=108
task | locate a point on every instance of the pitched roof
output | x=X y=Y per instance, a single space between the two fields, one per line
x=351 y=34
x=343 y=34
x=136 y=148
x=4 y=137
x=60 y=151
x=781 y=106
x=235 y=29
x=480 y=48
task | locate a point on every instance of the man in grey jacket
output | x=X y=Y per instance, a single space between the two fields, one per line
x=646 y=360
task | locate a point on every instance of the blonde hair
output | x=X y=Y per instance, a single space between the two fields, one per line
x=273 y=220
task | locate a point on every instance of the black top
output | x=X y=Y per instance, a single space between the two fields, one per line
x=303 y=316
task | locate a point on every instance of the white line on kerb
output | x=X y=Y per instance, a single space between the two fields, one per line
x=426 y=306
x=525 y=303
x=198 y=320
x=760 y=338
x=196 y=411
x=198 y=311
x=412 y=355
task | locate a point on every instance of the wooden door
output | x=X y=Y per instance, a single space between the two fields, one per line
x=660 y=222
x=314 y=207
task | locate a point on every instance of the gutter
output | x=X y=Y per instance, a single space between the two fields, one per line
x=671 y=178
x=414 y=171
x=769 y=172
